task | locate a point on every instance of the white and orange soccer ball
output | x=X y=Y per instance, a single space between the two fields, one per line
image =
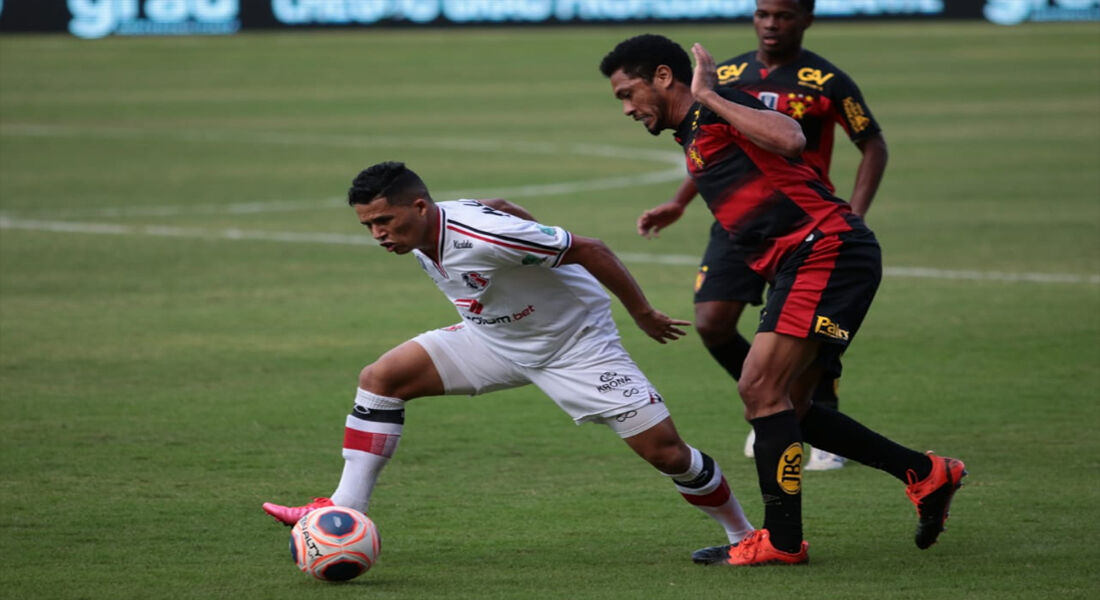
x=335 y=543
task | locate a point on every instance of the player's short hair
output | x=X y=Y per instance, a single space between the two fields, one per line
x=807 y=5
x=392 y=180
x=640 y=56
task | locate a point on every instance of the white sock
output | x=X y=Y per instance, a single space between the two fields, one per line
x=371 y=434
x=704 y=487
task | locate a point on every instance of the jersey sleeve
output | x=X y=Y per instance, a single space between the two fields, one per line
x=741 y=97
x=850 y=110
x=737 y=96
x=510 y=241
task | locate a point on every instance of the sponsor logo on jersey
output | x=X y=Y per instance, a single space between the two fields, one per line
x=548 y=230
x=475 y=280
x=531 y=259
x=769 y=99
x=812 y=77
x=788 y=474
x=798 y=105
x=462 y=244
x=470 y=304
x=728 y=73
x=825 y=326
x=857 y=117
x=502 y=319
x=454 y=327
x=610 y=381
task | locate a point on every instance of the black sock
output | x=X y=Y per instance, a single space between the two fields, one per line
x=825 y=392
x=731 y=355
x=835 y=432
x=779 y=468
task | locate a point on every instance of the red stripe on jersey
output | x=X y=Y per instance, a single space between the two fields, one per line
x=505 y=244
x=797 y=315
x=716 y=498
x=381 y=444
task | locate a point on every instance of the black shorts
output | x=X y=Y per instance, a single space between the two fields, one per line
x=824 y=289
x=724 y=275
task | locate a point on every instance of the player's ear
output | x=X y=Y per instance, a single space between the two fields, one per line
x=662 y=77
x=421 y=206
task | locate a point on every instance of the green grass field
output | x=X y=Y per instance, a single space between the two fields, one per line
x=185 y=305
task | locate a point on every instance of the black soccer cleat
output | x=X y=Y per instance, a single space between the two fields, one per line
x=713 y=555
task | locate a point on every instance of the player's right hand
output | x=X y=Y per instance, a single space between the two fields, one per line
x=657 y=218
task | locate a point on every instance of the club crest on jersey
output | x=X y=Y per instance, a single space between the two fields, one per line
x=798 y=105
x=475 y=280
x=695 y=157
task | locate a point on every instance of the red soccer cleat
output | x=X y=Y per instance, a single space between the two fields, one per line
x=757 y=549
x=289 y=515
x=932 y=496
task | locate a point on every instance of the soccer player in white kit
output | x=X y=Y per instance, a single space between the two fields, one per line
x=533 y=312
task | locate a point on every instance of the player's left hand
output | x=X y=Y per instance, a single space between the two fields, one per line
x=705 y=77
x=660 y=326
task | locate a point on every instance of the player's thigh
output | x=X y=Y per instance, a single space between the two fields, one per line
x=597 y=381
x=824 y=289
x=466 y=364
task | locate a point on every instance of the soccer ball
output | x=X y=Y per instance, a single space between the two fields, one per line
x=335 y=543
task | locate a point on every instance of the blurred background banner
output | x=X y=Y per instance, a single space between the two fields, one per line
x=100 y=18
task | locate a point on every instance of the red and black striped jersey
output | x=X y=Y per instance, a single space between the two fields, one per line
x=767 y=202
x=812 y=91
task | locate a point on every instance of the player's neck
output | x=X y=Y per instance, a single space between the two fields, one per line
x=773 y=61
x=431 y=245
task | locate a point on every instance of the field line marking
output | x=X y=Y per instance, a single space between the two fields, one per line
x=674 y=160
x=234 y=234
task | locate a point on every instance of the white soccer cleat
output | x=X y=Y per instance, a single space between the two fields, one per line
x=821 y=460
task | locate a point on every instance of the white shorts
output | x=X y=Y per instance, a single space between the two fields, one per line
x=595 y=380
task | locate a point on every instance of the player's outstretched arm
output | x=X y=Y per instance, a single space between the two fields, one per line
x=601 y=262
x=769 y=129
x=657 y=218
x=509 y=207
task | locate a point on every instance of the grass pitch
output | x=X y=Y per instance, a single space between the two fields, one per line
x=185 y=305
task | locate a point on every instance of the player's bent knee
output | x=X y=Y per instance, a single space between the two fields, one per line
x=379 y=379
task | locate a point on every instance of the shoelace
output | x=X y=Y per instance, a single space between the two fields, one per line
x=748 y=546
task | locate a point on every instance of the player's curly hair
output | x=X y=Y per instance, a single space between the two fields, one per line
x=640 y=56
x=392 y=180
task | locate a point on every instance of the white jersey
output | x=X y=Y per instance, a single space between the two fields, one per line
x=504 y=276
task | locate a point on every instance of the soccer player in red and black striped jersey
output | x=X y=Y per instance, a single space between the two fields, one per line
x=803 y=85
x=822 y=263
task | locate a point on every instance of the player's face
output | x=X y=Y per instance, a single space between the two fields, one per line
x=397 y=228
x=641 y=100
x=779 y=26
